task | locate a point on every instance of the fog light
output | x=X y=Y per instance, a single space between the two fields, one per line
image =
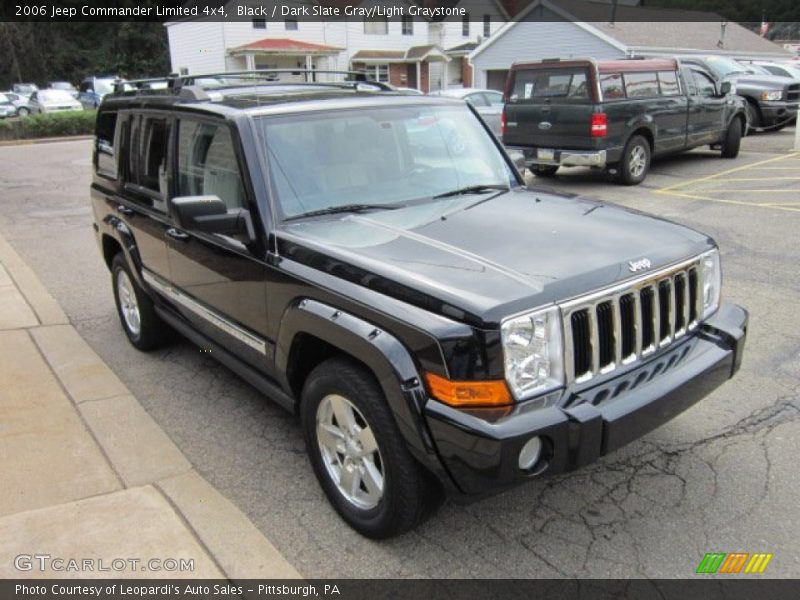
x=530 y=453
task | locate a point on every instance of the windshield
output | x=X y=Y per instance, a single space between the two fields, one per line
x=55 y=96
x=26 y=88
x=380 y=157
x=722 y=66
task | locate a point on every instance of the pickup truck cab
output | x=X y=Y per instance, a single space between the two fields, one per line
x=616 y=114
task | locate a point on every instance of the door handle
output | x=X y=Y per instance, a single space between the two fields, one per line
x=177 y=234
x=124 y=210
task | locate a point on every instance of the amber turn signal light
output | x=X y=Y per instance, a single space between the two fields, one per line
x=468 y=393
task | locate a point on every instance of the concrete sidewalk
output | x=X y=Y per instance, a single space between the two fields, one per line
x=87 y=474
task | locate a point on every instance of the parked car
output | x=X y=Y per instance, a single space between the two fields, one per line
x=93 y=89
x=616 y=114
x=25 y=89
x=20 y=102
x=48 y=101
x=64 y=85
x=488 y=103
x=780 y=69
x=7 y=108
x=772 y=100
x=437 y=326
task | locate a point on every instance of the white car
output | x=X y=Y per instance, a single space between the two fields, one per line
x=47 y=101
x=488 y=104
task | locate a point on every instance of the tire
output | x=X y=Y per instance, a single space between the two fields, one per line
x=341 y=390
x=23 y=112
x=635 y=163
x=753 y=116
x=733 y=139
x=145 y=330
x=547 y=171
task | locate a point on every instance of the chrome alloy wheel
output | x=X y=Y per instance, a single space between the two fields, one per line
x=128 y=303
x=350 y=452
x=637 y=161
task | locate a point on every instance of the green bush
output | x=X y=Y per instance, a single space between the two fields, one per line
x=74 y=122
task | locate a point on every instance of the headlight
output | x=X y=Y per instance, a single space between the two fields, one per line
x=533 y=352
x=776 y=95
x=711 y=278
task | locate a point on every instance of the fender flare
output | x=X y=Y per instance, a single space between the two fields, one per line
x=381 y=352
x=118 y=230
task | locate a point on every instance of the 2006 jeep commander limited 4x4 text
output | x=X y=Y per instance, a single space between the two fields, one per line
x=373 y=262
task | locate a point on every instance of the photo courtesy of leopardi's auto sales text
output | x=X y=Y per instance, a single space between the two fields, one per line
x=367 y=299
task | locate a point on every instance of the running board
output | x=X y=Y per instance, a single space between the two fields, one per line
x=259 y=381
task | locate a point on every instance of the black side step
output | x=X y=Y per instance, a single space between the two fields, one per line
x=259 y=381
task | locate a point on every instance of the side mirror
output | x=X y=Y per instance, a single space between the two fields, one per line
x=725 y=88
x=210 y=215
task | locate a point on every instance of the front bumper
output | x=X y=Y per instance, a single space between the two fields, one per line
x=565 y=158
x=777 y=111
x=480 y=448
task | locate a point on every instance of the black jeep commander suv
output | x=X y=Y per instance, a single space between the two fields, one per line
x=373 y=262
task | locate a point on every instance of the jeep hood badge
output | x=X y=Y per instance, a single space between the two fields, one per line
x=639 y=265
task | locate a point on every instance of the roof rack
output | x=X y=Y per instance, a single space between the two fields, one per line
x=192 y=86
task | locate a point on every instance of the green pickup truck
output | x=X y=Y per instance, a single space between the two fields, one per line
x=616 y=114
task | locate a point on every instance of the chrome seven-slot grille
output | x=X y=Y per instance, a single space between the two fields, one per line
x=621 y=325
x=793 y=92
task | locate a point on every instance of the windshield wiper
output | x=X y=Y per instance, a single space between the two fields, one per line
x=344 y=208
x=473 y=189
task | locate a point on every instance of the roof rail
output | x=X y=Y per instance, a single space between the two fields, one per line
x=174 y=82
x=272 y=76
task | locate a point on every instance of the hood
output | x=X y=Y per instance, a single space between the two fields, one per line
x=480 y=260
x=767 y=81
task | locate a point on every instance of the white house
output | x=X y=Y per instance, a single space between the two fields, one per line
x=576 y=28
x=406 y=52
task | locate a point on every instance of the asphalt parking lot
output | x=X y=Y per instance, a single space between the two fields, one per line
x=722 y=477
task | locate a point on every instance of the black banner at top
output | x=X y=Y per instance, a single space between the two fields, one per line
x=754 y=11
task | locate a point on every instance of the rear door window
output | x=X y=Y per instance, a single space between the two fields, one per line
x=641 y=85
x=533 y=85
x=668 y=82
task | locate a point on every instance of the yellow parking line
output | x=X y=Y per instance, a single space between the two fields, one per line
x=721 y=173
x=735 y=202
x=776 y=168
x=768 y=177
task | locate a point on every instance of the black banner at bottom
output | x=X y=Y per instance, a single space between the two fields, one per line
x=397 y=589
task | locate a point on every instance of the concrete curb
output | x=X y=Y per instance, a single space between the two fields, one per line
x=138 y=452
x=50 y=140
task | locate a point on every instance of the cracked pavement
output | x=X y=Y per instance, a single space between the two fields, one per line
x=722 y=477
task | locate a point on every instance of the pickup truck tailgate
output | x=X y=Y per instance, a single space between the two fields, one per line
x=549 y=126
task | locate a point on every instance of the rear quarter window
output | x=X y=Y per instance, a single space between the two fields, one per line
x=105 y=144
x=533 y=85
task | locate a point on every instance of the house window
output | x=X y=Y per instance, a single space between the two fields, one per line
x=408 y=25
x=465 y=25
x=259 y=23
x=487 y=25
x=290 y=23
x=376 y=26
x=378 y=73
